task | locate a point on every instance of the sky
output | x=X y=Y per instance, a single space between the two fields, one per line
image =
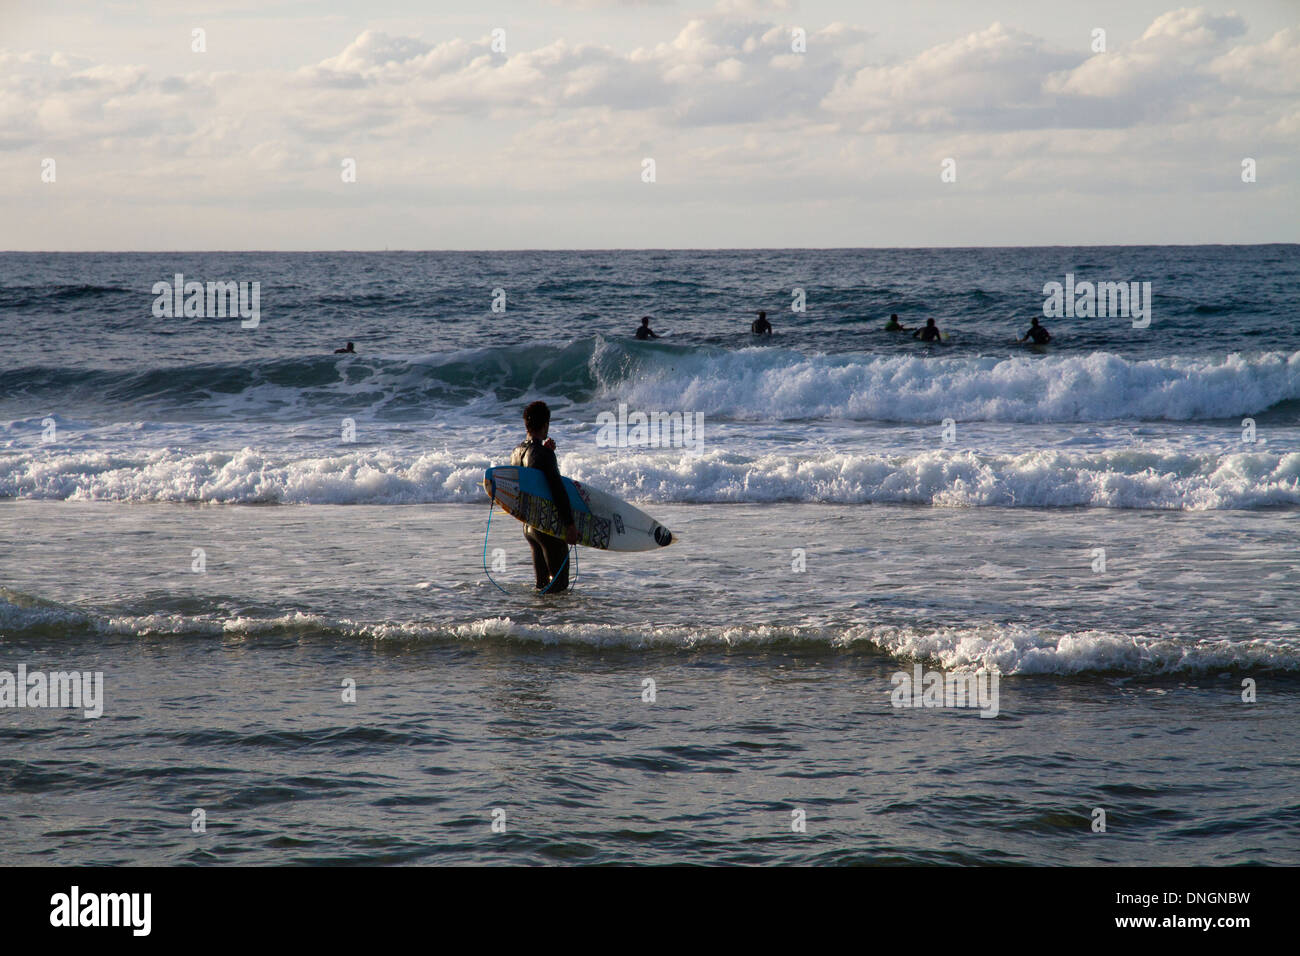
x=770 y=123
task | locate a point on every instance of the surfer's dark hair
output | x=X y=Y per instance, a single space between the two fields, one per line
x=537 y=415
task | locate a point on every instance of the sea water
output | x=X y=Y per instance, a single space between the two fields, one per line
x=274 y=556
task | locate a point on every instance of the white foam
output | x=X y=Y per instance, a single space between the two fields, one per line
x=1116 y=478
x=1015 y=649
x=762 y=384
x=1007 y=649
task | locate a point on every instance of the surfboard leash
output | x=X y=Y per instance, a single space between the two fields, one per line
x=556 y=575
x=491 y=504
x=573 y=551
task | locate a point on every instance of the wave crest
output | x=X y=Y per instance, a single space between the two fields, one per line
x=1012 y=649
x=1121 y=478
x=746 y=384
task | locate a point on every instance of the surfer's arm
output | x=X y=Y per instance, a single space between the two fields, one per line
x=549 y=467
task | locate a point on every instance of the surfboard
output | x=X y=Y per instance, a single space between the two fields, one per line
x=603 y=521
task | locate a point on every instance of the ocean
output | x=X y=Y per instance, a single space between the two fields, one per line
x=275 y=557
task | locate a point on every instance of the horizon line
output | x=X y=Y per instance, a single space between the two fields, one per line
x=1087 y=245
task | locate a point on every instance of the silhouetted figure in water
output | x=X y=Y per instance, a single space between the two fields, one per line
x=761 y=326
x=349 y=350
x=893 y=326
x=930 y=333
x=1036 y=332
x=643 y=331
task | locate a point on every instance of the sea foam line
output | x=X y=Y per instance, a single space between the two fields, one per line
x=1007 y=649
x=1115 y=478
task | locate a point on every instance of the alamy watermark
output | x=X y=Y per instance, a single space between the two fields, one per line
x=76 y=908
x=215 y=300
x=650 y=430
x=1086 y=300
x=973 y=689
x=75 y=689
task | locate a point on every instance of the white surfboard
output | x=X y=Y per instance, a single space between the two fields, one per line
x=603 y=521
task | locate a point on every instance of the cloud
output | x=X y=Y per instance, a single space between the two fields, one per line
x=717 y=71
x=726 y=106
x=989 y=77
x=714 y=71
x=1165 y=64
x=1002 y=79
x=1272 y=67
x=1189 y=29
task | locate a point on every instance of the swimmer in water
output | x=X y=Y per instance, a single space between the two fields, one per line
x=930 y=333
x=1036 y=332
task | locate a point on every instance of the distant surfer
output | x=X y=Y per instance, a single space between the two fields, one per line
x=348 y=350
x=893 y=326
x=1036 y=332
x=643 y=331
x=550 y=556
x=761 y=326
x=930 y=333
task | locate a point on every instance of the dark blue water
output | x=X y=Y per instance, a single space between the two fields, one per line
x=95 y=308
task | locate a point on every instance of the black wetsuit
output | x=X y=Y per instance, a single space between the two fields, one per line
x=761 y=327
x=643 y=332
x=549 y=552
x=928 y=334
x=1039 y=334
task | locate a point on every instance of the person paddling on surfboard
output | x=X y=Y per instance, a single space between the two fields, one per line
x=1036 y=332
x=893 y=326
x=928 y=334
x=761 y=326
x=643 y=331
x=550 y=556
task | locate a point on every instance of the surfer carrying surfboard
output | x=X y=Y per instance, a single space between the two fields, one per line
x=550 y=554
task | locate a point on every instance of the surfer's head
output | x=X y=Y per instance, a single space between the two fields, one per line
x=645 y=320
x=537 y=419
x=929 y=322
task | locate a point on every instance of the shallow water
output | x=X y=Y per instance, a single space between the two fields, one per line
x=1120 y=690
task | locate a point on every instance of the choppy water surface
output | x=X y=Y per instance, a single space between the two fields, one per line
x=1097 y=533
